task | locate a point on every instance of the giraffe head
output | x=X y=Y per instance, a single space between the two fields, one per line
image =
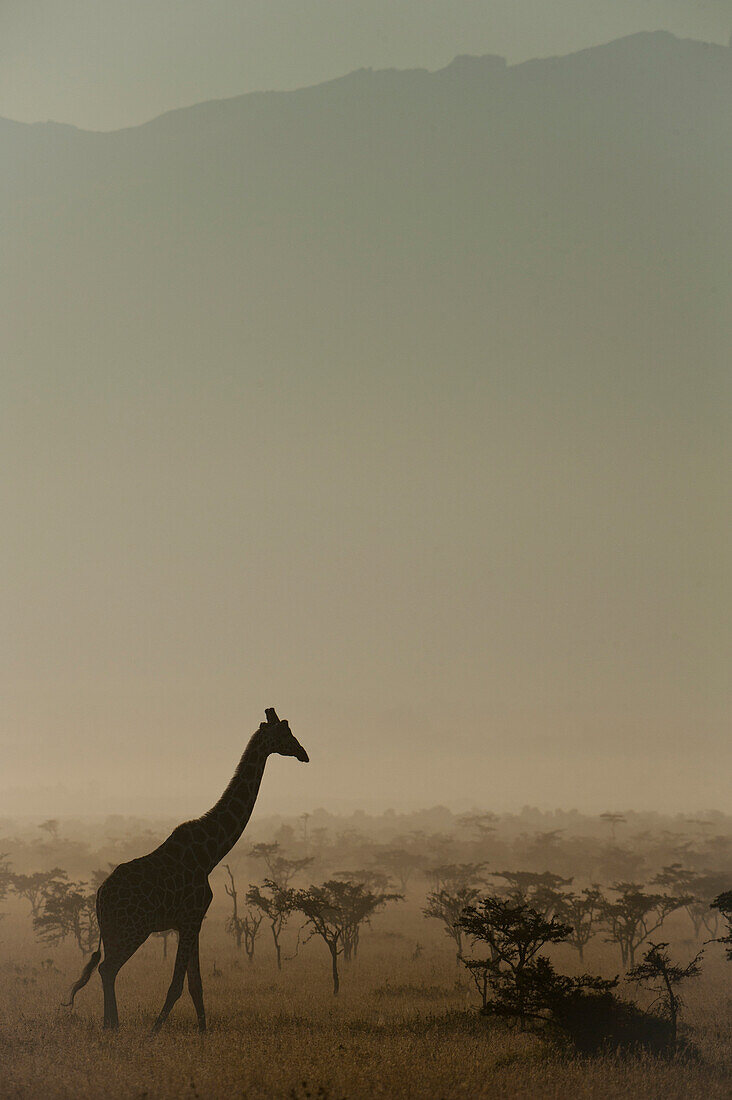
x=279 y=739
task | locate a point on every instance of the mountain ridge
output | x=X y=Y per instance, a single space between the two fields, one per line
x=477 y=63
x=478 y=176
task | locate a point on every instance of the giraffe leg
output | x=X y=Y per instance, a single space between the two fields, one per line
x=195 y=986
x=113 y=962
x=186 y=942
x=108 y=972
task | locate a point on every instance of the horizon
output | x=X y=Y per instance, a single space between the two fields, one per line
x=259 y=822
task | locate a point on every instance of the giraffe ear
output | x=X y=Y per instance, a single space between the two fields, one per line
x=271 y=716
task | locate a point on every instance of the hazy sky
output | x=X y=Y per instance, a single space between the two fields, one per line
x=438 y=468
x=102 y=64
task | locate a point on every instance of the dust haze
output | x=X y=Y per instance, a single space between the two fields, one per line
x=399 y=401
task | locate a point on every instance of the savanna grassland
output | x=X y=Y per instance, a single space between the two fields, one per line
x=405 y=1024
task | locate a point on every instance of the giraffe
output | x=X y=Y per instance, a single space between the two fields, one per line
x=169 y=888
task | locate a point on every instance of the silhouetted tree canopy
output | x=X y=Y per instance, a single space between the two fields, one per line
x=635 y=915
x=335 y=911
x=276 y=905
x=658 y=973
x=68 y=909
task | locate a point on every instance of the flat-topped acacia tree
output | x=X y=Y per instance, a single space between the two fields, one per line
x=542 y=890
x=275 y=905
x=448 y=906
x=456 y=876
x=581 y=912
x=281 y=870
x=613 y=820
x=68 y=909
x=35 y=885
x=400 y=864
x=634 y=915
x=699 y=889
x=723 y=904
x=335 y=911
x=359 y=901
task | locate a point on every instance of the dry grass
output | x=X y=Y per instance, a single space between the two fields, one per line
x=399 y=1029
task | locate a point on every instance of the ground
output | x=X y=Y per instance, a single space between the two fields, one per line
x=401 y=1028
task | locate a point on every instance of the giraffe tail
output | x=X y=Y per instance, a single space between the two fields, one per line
x=85 y=975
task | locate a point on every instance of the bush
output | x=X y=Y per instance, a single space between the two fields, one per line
x=597 y=1023
x=519 y=984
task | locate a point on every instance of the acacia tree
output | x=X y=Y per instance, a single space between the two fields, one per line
x=358 y=901
x=320 y=905
x=34 y=886
x=698 y=888
x=634 y=916
x=68 y=909
x=613 y=820
x=582 y=913
x=276 y=905
x=541 y=890
x=481 y=824
x=372 y=880
x=705 y=889
x=514 y=934
x=400 y=864
x=335 y=911
x=723 y=904
x=617 y=864
x=242 y=925
x=447 y=906
x=281 y=869
x=456 y=876
x=662 y=976
x=165 y=936
x=50 y=827
x=543 y=846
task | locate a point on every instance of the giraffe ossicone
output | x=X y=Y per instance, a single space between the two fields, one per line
x=169 y=887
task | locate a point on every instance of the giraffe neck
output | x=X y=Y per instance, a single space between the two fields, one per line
x=226 y=820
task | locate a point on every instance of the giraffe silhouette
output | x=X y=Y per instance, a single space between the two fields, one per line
x=169 y=888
